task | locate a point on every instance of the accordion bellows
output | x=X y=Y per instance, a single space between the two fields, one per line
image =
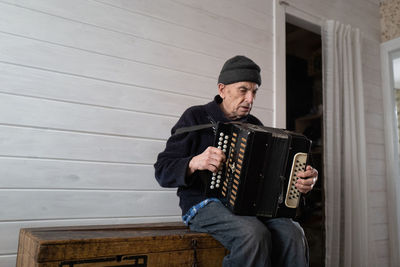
x=259 y=175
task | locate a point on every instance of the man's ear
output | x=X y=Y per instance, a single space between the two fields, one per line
x=221 y=90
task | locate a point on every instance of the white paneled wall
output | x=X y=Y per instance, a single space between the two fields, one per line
x=89 y=91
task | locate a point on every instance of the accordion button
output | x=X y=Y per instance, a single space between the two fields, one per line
x=226 y=136
x=217 y=185
x=219 y=143
x=219 y=172
x=212 y=187
x=218 y=181
x=212 y=182
x=213 y=178
x=221 y=134
x=225 y=141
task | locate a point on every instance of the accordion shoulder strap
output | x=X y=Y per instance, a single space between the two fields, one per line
x=194 y=128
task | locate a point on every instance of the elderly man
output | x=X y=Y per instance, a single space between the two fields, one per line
x=252 y=241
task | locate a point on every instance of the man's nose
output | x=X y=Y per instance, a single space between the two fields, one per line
x=250 y=97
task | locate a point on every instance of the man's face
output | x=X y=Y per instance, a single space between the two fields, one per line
x=237 y=98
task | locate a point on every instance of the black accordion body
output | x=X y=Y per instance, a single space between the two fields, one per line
x=259 y=175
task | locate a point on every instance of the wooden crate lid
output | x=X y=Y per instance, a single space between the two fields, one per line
x=78 y=242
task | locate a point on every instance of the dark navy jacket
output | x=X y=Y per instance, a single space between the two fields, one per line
x=172 y=163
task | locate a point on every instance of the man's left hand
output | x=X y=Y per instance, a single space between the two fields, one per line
x=308 y=179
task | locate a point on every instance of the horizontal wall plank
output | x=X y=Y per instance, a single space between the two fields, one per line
x=373 y=105
x=41 y=83
x=9 y=231
x=380 y=231
x=41 y=143
x=37 y=54
x=234 y=10
x=38 y=173
x=372 y=76
x=197 y=19
x=371 y=47
x=377 y=199
x=64 y=204
x=104 y=41
x=373 y=91
x=119 y=20
x=374 y=136
x=260 y=6
x=58 y=86
x=373 y=120
x=382 y=249
x=371 y=59
x=385 y=261
x=266 y=116
x=375 y=151
x=28 y=111
x=376 y=167
x=377 y=215
x=8 y=260
x=377 y=182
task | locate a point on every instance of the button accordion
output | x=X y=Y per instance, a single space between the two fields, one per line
x=259 y=175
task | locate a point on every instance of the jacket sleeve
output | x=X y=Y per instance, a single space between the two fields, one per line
x=171 y=165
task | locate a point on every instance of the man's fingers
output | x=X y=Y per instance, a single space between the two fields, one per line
x=214 y=164
x=309 y=172
x=211 y=159
x=305 y=185
x=216 y=153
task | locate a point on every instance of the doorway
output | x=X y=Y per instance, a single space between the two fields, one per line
x=304 y=115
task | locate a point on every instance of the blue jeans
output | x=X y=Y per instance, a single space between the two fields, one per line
x=251 y=241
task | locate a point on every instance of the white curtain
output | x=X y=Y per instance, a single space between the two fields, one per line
x=348 y=240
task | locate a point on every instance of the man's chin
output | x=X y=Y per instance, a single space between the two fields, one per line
x=244 y=113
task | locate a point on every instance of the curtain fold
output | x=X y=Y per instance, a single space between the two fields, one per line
x=348 y=240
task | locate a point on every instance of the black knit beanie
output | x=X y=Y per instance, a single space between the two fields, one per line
x=240 y=69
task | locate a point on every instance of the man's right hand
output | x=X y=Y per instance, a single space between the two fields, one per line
x=211 y=159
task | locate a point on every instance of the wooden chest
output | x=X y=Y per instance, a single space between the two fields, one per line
x=159 y=244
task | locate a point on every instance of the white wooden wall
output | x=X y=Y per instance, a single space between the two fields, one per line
x=89 y=91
